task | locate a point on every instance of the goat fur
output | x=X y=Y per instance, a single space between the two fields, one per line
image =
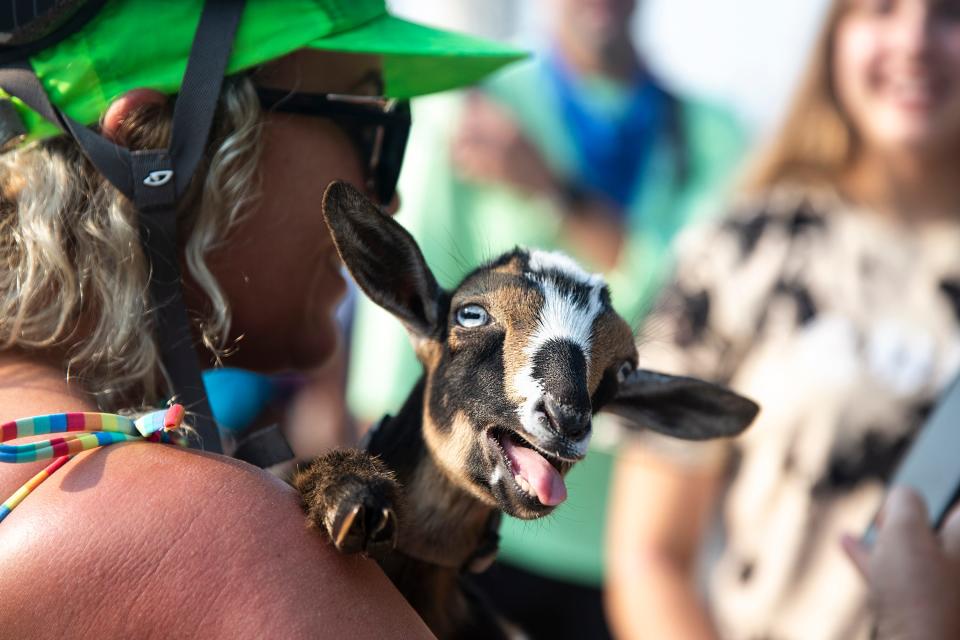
x=422 y=500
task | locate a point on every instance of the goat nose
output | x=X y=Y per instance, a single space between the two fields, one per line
x=570 y=420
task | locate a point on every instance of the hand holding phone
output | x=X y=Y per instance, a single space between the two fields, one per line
x=932 y=464
x=913 y=574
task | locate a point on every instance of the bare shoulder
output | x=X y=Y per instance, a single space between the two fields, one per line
x=145 y=540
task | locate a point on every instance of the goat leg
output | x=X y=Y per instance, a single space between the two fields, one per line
x=352 y=496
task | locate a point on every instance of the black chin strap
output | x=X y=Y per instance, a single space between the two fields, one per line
x=155 y=180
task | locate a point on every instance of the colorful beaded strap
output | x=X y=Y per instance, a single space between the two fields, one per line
x=86 y=431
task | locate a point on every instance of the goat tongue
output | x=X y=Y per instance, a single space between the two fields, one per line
x=543 y=479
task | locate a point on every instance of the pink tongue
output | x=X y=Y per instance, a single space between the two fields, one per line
x=532 y=467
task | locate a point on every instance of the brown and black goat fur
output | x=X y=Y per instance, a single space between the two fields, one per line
x=517 y=359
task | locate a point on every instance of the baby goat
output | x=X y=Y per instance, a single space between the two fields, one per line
x=517 y=360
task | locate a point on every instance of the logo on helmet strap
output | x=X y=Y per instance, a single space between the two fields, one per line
x=158 y=178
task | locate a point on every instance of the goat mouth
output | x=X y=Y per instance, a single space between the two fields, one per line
x=536 y=474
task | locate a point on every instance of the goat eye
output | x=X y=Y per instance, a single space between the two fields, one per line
x=472 y=315
x=625 y=370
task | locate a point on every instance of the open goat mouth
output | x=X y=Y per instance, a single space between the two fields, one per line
x=536 y=474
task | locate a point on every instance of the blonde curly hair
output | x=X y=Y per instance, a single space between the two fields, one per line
x=73 y=277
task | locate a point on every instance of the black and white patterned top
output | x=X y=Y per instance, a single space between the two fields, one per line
x=845 y=326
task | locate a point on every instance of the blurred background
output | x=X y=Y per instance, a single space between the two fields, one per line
x=769 y=191
x=468 y=192
x=755 y=48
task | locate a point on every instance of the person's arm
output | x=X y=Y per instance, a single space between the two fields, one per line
x=657 y=517
x=147 y=540
x=490 y=147
x=664 y=493
x=913 y=576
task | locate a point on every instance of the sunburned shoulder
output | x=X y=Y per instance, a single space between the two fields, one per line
x=145 y=539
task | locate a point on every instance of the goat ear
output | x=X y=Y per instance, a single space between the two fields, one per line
x=684 y=408
x=383 y=258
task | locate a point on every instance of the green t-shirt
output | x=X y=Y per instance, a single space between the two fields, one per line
x=460 y=225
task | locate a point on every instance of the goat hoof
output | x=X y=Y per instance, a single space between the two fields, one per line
x=354 y=498
x=363 y=527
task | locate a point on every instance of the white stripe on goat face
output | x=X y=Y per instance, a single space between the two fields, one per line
x=562 y=317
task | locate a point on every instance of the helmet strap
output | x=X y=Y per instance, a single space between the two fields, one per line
x=155 y=180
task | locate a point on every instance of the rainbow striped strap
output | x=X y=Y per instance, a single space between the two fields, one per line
x=84 y=431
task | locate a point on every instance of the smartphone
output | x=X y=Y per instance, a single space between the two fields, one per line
x=932 y=464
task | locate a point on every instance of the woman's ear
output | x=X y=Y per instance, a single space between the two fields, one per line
x=121 y=108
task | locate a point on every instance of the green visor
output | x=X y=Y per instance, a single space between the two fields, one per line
x=146 y=43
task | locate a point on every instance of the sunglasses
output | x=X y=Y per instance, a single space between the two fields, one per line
x=377 y=126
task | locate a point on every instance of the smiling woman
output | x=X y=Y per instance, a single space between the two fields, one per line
x=897 y=76
x=91 y=320
x=829 y=294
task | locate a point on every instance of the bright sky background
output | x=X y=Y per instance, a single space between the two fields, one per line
x=745 y=53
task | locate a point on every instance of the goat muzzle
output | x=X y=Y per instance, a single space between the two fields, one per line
x=569 y=420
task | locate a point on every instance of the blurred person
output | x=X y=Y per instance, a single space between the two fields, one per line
x=583 y=149
x=831 y=296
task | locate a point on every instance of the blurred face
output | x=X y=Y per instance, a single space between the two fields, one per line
x=279 y=267
x=597 y=22
x=897 y=73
